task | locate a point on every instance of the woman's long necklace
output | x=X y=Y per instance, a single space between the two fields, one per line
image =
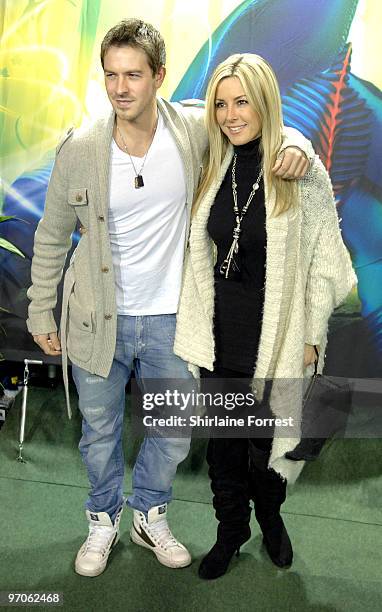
x=138 y=180
x=229 y=262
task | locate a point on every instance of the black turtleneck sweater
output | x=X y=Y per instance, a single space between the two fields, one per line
x=239 y=301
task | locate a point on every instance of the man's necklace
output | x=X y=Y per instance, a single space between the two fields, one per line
x=230 y=263
x=138 y=180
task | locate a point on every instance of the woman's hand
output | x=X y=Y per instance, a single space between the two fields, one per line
x=309 y=354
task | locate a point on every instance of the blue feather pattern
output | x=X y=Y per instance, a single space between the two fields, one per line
x=335 y=118
x=297 y=37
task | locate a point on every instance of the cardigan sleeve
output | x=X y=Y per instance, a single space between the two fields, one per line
x=51 y=244
x=294 y=138
x=330 y=275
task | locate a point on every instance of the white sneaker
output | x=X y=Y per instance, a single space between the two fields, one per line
x=154 y=533
x=92 y=557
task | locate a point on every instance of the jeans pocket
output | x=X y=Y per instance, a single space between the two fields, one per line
x=169 y=326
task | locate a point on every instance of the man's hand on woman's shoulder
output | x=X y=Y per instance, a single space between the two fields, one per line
x=292 y=163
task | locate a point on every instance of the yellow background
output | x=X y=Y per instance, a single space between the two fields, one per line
x=52 y=78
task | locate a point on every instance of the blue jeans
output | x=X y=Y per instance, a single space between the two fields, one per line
x=145 y=345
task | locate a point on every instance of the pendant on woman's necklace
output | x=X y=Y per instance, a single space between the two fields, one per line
x=230 y=269
x=138 y=181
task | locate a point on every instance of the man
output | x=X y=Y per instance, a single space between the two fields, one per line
x=130 y=180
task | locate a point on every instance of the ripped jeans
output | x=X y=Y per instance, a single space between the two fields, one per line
x=144 y=345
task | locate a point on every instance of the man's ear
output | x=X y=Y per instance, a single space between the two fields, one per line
x=159 y=77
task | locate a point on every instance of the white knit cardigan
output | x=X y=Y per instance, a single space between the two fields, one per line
x=308 y=274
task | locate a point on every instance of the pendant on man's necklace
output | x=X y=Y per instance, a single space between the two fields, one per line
x=138 y=181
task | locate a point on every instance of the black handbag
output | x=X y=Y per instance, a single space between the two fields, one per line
x=326 y=406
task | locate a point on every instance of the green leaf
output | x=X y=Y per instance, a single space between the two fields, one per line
x=8 y=246
x=4 y=218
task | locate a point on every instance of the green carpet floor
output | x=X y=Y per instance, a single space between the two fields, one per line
x=333 y=515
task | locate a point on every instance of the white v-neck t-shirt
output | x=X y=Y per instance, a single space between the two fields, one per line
x=147 y=227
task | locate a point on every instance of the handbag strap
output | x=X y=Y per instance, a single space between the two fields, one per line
x=316 y=360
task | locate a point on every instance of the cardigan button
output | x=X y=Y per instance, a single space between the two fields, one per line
x=108 y=317
x=101 y=218
x=104 y=269
x=78 y=197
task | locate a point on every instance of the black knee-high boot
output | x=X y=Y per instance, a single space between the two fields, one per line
x=228 y=470
x=268 y=491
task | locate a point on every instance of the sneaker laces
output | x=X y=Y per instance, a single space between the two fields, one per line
x=99 y=539
x=162 y=533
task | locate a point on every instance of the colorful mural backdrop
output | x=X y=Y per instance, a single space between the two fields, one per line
x=326 y=54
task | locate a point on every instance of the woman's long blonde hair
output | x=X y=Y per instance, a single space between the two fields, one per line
x=261 y=88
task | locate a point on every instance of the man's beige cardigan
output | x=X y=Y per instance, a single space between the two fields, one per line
x=308 y=274
x=79 y=189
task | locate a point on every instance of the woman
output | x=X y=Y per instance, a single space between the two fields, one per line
x=266 y=266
